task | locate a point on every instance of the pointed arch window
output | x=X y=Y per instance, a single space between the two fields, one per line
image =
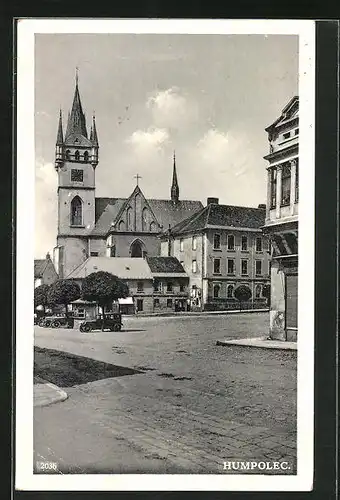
x=76 y=212
x=152 y=226
x=144 y=219
x=86 y=156
x=129 y=218
x=138 y=249
x=76 y=155
x=67 y=154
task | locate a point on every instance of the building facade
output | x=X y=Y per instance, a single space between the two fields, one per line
x=44 y=272
x=115 y=227
x=281 y=225
x=220 y=248
x=156 y=284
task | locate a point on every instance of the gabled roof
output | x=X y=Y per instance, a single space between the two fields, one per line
x=229 y=216
x=39 y=267
x=165 y=211
x=124 y=267
x=168 y=265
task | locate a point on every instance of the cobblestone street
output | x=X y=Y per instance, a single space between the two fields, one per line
x=194 y=406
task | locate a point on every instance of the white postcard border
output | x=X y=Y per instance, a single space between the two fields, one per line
x=24 y=477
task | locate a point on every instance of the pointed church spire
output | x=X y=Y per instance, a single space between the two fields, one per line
x=76 y=123
x=174 y=187
x=94 y=132
x=60 y=136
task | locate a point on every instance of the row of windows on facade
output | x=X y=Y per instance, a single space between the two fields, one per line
x=286 y=181
x=231 y=267
x=230 y=291
x=217 y=242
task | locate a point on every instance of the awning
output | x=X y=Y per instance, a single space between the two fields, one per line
x=128 y=300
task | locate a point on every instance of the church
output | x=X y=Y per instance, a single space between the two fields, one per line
x=95 y=227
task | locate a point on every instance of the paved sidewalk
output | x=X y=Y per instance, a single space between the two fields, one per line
x=45 y=393
x=262 y=342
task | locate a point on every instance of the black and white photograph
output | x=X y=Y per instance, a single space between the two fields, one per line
x=165 y=190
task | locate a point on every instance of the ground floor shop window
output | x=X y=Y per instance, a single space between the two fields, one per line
x=156 y=303
x=169 y=303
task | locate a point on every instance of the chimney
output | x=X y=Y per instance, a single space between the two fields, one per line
x=212 y=200
x=262 y=206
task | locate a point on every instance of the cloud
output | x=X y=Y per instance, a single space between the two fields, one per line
x=171 y=109
x=46 y=183
x=222 y=164
x=150 y=140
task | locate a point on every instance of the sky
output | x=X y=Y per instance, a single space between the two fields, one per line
x=208 y=97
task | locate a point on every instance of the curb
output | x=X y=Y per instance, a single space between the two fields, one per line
x=48 y=394
x=259 y=343
x=192 y=314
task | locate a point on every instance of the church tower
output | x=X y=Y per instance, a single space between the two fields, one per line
x=174 y=187
x=76 y=159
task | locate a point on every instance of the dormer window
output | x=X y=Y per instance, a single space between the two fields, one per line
x=286 y=135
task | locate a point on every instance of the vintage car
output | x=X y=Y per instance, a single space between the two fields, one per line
x=57 y=322
x=111 y=321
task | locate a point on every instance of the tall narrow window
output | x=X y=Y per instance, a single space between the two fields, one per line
x=217 y=241
x=273 y=188
x=194 y=266
x=216 y=290
x=231 y=266
x=258 y=244
x=129 y=218
x=217 y=266
x=194 y=242
x=113 y=251
x=244 y=267
x=77 y=155
x=76 y=211
x=258 y=267
x=285 y=189
x=244 y=243
x=67 y=154
x=86 y=156
x=140 y=286
x=231 y=242
x=144 y=219
x=181 y=245
x=297 y=182
x=258 y=291
x=230 y=291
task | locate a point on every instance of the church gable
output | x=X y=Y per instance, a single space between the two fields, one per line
x=136 y=215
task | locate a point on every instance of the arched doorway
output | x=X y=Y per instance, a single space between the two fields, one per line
x=138 y=249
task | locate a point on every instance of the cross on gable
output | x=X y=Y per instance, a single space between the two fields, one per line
x=137 y=177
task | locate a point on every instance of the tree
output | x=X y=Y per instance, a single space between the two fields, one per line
x=63 y=292
x=103 y=287
x=242 y=293
x=266 y=293
x=41 y=296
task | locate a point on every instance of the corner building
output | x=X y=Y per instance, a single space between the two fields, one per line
x=281 y=225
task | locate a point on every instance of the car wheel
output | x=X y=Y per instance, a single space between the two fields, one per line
x=47 y=324
x=116 y=327
x=56 y=324
x=41 y=323
x=86 y=327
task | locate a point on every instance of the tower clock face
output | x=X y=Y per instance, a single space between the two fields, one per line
x=77 y=175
